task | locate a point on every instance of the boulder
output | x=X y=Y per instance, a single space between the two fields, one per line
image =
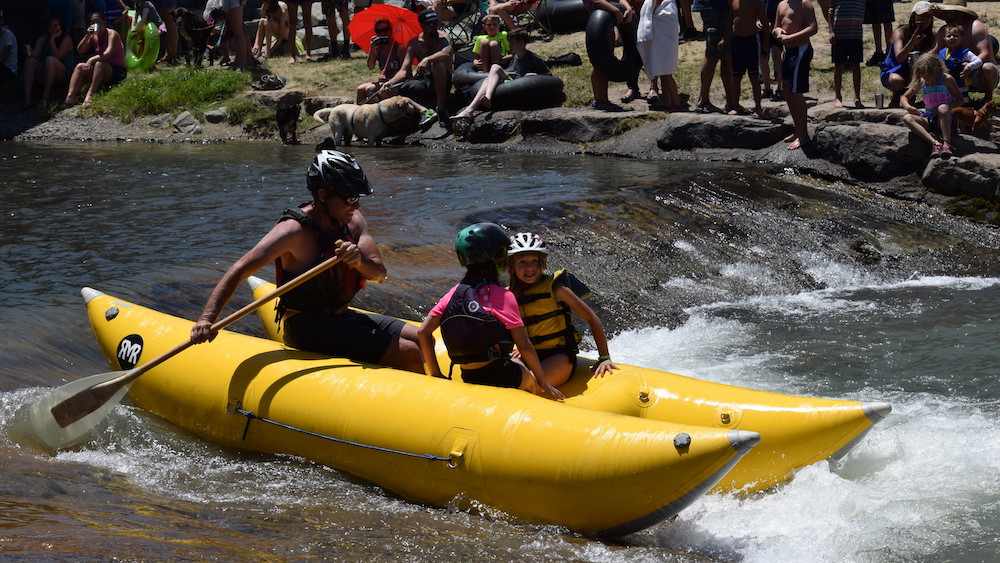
x=187 y=124
x=574 y=125
x=161 y=121
x=491 y=127
x=271 y=98
x=694 y=130
x=975 y=175
x=217 y=115
x=871 y=151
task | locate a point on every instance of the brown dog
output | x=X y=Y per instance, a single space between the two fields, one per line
x=369 y=121
x=972 y=120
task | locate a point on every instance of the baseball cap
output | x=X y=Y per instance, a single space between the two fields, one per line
x=921 y=8
x=428 y=16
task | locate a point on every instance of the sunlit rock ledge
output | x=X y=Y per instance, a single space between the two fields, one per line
x=859 y=145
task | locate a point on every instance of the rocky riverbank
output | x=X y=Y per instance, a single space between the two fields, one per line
x=868 y=147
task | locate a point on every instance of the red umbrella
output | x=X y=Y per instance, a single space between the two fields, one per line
x=404 y=25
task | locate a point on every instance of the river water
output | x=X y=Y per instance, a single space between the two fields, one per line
x=742 y=275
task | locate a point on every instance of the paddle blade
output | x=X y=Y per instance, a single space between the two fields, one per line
x=65 y=416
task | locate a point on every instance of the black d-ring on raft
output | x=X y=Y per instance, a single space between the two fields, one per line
x=601 y=50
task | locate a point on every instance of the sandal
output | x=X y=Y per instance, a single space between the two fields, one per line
x=629 y=96
x=605 y=105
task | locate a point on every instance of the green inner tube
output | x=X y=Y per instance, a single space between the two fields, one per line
x=142 y=48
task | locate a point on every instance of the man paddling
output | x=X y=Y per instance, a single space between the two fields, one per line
x=315 y=315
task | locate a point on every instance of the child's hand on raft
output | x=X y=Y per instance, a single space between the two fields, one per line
x=604 y=367
x=556 y=394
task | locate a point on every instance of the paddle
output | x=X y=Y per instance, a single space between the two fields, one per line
x=67 y=413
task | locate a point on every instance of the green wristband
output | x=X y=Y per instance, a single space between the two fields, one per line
x=602 y=358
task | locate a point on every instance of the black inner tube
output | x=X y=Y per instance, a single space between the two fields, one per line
x=601 y=50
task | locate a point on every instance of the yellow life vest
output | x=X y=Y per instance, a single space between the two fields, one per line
x=549 y=322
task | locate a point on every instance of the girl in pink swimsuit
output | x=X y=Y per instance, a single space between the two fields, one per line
x=940 y=93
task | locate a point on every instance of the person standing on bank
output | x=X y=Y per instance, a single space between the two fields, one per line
x=315 y=316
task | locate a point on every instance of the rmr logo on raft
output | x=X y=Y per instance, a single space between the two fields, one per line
x=129 y=350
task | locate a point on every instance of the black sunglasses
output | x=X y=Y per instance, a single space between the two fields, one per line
x=383 y=29
x=353 y=200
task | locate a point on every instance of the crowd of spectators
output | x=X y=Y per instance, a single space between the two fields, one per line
x=80 y=45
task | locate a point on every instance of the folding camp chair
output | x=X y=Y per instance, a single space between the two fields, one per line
x=468 y=24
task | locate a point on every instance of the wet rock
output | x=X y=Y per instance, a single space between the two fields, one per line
x=871 y=151
x=217 y=115
x=693 y=130
x=574 y=125
x=975 y=175
x=826 y=112
x=491 y=127
x=186 y=124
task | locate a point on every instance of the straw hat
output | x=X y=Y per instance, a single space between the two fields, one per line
x=955 y=7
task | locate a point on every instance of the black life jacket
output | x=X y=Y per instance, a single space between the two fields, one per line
x=470 y=333
x=329 y=291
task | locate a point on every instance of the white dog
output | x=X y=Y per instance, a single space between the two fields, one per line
x=369 y=121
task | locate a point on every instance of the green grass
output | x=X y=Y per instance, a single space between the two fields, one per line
x=165 y=91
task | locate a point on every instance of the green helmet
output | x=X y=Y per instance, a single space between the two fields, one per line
x=481 y=243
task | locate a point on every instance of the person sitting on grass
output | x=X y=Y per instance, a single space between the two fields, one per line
x=432 y=48
x=480 y=322
x=524 y=63
x=51 y=61
x=385 y=52
x=492 y=47
x=449 y=10
x=8 y=51
x=940 y=94
x=106 y=66
x=272 y=30
x=506 y=10
x=545 y=302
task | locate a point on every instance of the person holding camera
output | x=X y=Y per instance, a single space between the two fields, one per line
x=385 y=52
x=908 y=42
x=105 y=66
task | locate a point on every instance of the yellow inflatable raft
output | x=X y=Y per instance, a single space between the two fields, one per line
x=795 y=431
x=428 y=440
